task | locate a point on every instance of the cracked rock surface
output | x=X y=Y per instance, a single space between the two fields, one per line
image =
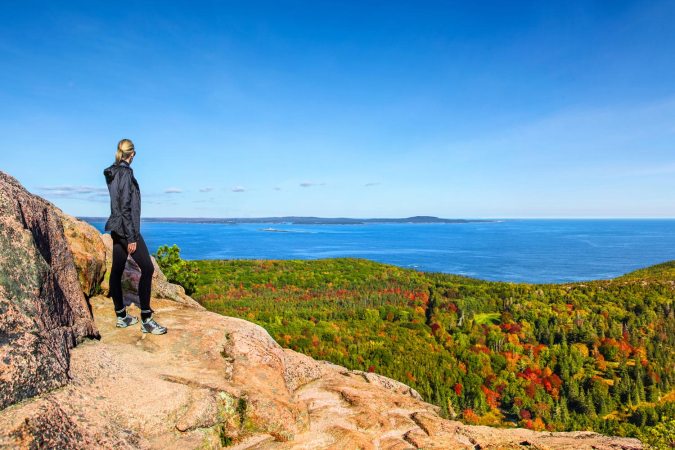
x=43 y=311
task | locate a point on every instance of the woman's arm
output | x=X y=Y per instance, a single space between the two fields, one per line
x=125 y=205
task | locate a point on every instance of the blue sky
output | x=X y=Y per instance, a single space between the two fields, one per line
x=361 y=109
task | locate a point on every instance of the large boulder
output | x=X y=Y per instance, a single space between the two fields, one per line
x=43 y=311
x=89 y=252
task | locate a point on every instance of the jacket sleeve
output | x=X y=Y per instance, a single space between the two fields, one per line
x=125 y=207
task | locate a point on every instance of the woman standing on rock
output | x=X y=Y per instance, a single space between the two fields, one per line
x=124 y=225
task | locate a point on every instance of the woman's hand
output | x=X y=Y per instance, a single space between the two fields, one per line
x=131 y=247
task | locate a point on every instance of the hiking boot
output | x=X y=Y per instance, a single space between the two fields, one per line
x=150 y=326
x=123 y=322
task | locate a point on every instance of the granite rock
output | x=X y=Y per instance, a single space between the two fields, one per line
x=43 y=311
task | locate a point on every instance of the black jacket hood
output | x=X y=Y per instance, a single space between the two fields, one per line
x=112 y=171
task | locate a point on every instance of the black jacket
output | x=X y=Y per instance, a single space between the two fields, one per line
x=125 y=201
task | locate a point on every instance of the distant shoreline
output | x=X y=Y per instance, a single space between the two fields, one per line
x=300 y=220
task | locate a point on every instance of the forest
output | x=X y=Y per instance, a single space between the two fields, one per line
x=593 y=355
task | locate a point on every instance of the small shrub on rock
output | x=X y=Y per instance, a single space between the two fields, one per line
x=177 y=270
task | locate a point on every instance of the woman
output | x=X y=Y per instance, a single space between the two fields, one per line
x=124 y=225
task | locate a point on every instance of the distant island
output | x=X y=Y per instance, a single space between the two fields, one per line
x=298 y=220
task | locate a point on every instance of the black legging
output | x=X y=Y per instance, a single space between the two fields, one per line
x=119 y=259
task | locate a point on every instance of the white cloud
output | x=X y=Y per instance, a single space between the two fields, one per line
x=73 y=190
x=89 y=193
x=206 y=189
x=173 y=190
x=614 y=170
x=238 y=189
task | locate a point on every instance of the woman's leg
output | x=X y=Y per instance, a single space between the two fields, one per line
x=142 y=258
x=119 y=260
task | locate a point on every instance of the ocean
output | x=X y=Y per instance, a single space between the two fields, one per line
x=517 y=250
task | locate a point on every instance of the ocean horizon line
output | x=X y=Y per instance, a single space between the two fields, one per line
x=258 y=218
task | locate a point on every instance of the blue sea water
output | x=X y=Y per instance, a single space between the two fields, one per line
x=518 y=250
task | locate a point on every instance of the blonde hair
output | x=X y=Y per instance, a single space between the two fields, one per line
x=124 y=149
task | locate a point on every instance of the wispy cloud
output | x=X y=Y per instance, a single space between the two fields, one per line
x=277 y=188
x=622 y=171
x=375 y=183
x=89 y=193
x=73 y=189
x=238 y=189
x=310 y=184
x=556 y=149
x=173 y=190
x=206 y=189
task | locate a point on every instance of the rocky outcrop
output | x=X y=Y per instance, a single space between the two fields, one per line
x=89 y=252
x=211 y=382
x=43 y=312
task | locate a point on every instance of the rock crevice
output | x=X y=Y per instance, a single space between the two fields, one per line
x=44 y=312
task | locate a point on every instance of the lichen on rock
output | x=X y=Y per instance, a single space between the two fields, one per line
x=44 y=312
